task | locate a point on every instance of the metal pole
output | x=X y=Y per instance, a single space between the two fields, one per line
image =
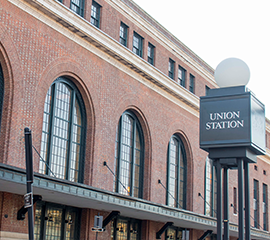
x=240 y=200
x=29 y=180
x=247 y=201
x=219 y=200
x=226 y=203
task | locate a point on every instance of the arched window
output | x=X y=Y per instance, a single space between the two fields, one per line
x=176 y=173
x=210 y=188
x=129 y=154
x=1 y=92
x=62 y=144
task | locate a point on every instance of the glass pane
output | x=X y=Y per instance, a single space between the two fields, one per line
x=38 y=221
x=171 y=234
x=53 y=223
x=95 y=14
x=208 y=186
x=173 y=172
x=126 y=154
x=70 y=225
x=134 y=231
x=76 y=143
x=45 y=131
x=122 y=229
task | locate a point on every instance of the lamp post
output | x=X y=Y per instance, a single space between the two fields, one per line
x=232 y=131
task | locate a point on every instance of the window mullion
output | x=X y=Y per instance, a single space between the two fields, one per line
x=43 y=223
x=212 y=189
x=50 y=132
x=119 y=162
x=133 y=159
x=205 y=186
x=178 y=173
x=168 y=172
x=70 y=135
x=63 y=224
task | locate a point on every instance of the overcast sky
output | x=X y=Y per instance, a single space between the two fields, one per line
x=216 y=30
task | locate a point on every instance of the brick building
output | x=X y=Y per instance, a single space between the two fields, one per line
x=112 y=100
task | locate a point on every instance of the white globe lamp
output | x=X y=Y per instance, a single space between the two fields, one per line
x=232 y=72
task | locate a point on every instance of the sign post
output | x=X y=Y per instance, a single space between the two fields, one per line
x=232 y=131
x=28 y=198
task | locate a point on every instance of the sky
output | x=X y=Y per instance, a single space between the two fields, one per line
x=216 y=30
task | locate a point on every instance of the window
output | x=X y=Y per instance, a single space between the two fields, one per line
x=181 y=76
x=256 y=203
x=265 y=207
x=95 y=14
x=234 y=200
x=171 y=68
x=1 y=92
x=125 y=228
x=123 y=34
x=129 y=152
x=137 y=44
x=191 y=83
x=176 y=173
x=176 y=233
x=150 y=53
x=53 y=221
x=62 y=144
x=210 y=188
x=77 y=6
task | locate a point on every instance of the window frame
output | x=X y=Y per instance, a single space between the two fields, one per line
x=192 y=83
x=80 y=7
x=209 y=165
x=265 y=207
x=95 y=18
x=130 y=222
x=177 y=232
x=171 y=68
x=235 y=200
x=138 y=50
x=182 y=79
x=40 y=226
x=51 y=121
x=181 y=152
x=150 y=53
x=256 y=205
x=123 y=39
x=119 y=152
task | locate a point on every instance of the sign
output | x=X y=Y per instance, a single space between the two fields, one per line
x=98 y=224
x=232 y=117
x=28 y=200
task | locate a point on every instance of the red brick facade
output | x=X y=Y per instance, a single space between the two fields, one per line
x=34 y=54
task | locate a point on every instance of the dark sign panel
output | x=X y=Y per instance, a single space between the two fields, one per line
x=232 y=117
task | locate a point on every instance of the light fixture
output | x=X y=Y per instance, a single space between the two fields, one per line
x=49 y=217
x=232 y=72
x=69 y=220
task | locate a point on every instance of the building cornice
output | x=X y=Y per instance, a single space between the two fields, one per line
x=76 y=28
